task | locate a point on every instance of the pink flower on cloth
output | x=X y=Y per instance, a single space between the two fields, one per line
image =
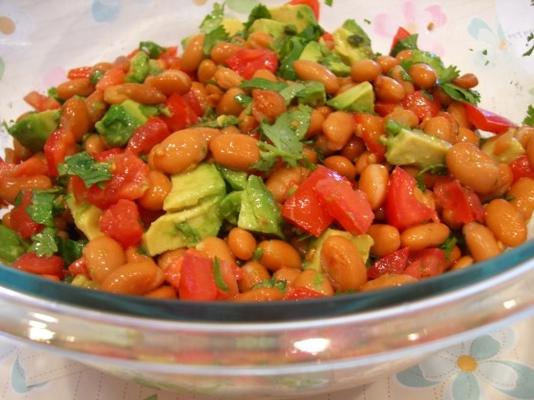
x=416 y=20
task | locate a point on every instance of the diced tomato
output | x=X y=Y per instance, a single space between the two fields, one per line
x=349 y=207
x=423 y=106
x=121 y=222
x=78 y=189
x=384 y=109
x=35 y=165
x=371 y=130
x=107 y=155
x=113 y=76
x=129 y=181
x=20 y=220
x=400 y=35
x=40 y=102
x=403 y=209
x=58 y=145
x=393 y=263
x=80 y=72
x=170 y=59
x=228 y=275
x=247 y=61
x=486 y=120
x=427 y=263
x=192 y=101
x=464 y=203
x=34 y=264
x=327 y=37
x=521 y=168
x=148 y=135
x=313 y=4
x=301 y=293
x=79 y=267
x=197 y=281
x=173 y=272
x=304 y=208
x=183 y=113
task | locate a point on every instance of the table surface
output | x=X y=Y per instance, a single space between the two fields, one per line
x=496 y=366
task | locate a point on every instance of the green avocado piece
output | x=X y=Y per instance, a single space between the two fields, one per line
x=512 y=152
x=259 y=211
x=336 y=64
x=363 y=244
x=352 y=43
x=11 y=245
x=33 y=129
x=236 y=179
x=120 y=122
x=300 y=16
x=183 y=229
x=360 y=98
x=84 y=282
x=312 y=52
x=86 y=217
x=232 y=26
x=190 y=188
x=274 y=28
x=139 y=68
x=230 y=207
x=414 y=147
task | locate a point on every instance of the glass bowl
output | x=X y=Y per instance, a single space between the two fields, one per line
x=265 y=350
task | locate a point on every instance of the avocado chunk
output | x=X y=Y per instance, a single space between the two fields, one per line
x=183 y=229
x=230 y=207
x=139 y=68
x=312 y=52
x=414 y=147
x=232 y=26
x=360 y=98
x=362 y=243
x=84 y=282
x=513 y=150
x=11 y=245
x=335 y=64
x=259 y=211
x=352 y=43
x=120 y=122
x=274 y=28
x=236 y=179
x=33 y=129
x=300 y=16
x=190 y=188
x=86 y=217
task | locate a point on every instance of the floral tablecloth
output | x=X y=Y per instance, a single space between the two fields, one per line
x=494 y=366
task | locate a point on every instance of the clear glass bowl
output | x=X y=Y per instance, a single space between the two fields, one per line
x=265 y=350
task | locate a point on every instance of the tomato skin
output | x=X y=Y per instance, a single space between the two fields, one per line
x=304 y=208
x=183 y=113
x=384 y=109
x=521 y=168
x=327 y=37
x=400 y=35
x=371 y=130
x=173 y=273
x=41 y=102
x=229 y=273
x=313 y=4
x=30 y=262
x=148 y=135
x=402 y=207
x=78 y=267
x=427 y=263
x=21 y=221
x=35 y=165
x=349 y=207
x=113 y=76
x=80 y=72
x=197 y=281
x=301 y=293
x=170 y=59
x=121 y=222
x=393 y=263
x=486 y=120
x=58 y=145
x=421 y=105
x=464 y=203
x=247 y=61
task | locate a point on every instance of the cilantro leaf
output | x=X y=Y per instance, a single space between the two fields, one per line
x=393 y=128
x=265 y=84
x=70 y=250
x=459 y=94
x=190 y=234
x=409 y=43
x=529 y=119
x=42 y=207
x=272 y=283
x=44 y=243
x=222 y=121
x=290 y=52
x=11 y=245
x=445 y=74
x=258 y=12
x=219 y=34
x=153 y=49
x=448 y=246
x=435 y=169
x=214 y=19
x=86 y=167
x=243 y=99
x=217 y=274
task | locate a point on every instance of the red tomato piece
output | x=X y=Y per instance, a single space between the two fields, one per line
x=58 y=145
x=80 y=72
x=313 y=4
x=192 y=101
x=371 y=131
x=327 y=37
x=486 y=120
x=173 y=273
x=464 y=203
x=521 y=168
x=427 y=263
x=400 y=35
x=121 y=222
x=197 y=281
x=107 y=155
x=421 y=105
x=170 y=59
x=349 y=207
x=79 y=267
x=393 y=263
x=30 y=262
x=403 y=209
x=247 y=61
x=301 y=293
x=228 y=275
x=148 y=135
x=182 y=113
x=35 y=165
x=113 y=76
x=384 y=109
x=304 y=208
x=21 y=221
x=41 y=102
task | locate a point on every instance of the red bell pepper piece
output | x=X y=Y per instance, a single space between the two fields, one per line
x=121 y=222
x=148 y=135
x=183 y=112
x=421 y=105
x=21 y=221
x=393 y=263
x=197 y=280
x=400 y=35
x=80 y=72
x=521 y=168
x=301 y=293
x=486 y=120
x=464 y=203
x=34 y=264
x=313 y=4
x=403 y=209
x=41 y=102
x=427 y=263
x=247 y=61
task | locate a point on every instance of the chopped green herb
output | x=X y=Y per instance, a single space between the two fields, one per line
x=219 y=34
x=445 y=74
x=258 y=12
x=219 y=280
x=459 y=94
x=44 y=243
x=265 y=84
x=529 y=52
x=43 y=206
x=243 y=99
x=96 y=76
x=258 y=253
x=191 y=236
x=214 y=19
x=52 y=92
x=529 y=119
x=11 y=245
x=153 y=50
x=436 y=169
x=272 y=283
x=86 y=167
x=448 y=246
x=393 y=128
x=69 y=249
x=409 y=43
